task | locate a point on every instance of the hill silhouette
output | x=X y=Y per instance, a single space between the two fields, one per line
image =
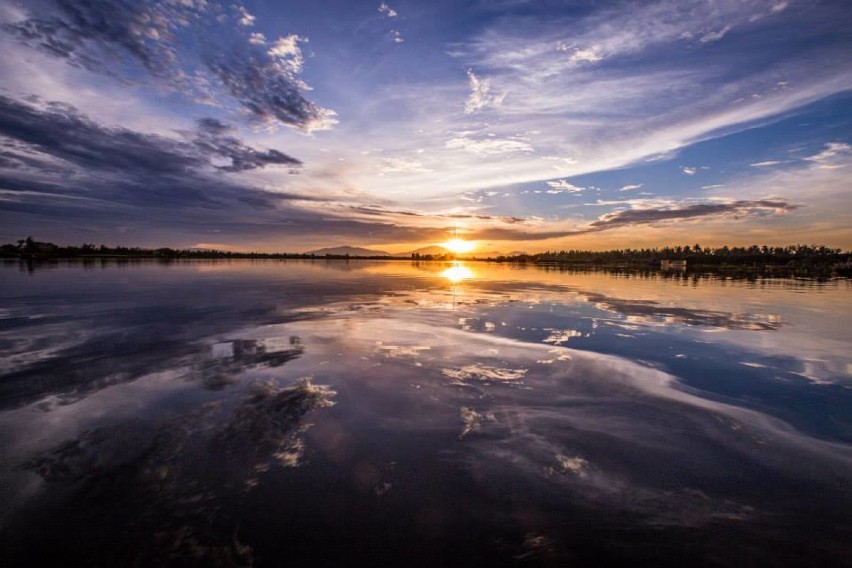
x=348 y=250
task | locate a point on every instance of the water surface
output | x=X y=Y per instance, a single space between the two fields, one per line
x=337 y=413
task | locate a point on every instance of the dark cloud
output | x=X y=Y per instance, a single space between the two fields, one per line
x=60 y=131
x=648 y=216
x=171 y=42
x=504 y=219
x=269 y=90
x=63 y=174
x=379 y=211
x=94 y=34
x=18 y=157
x=56 y=160
x=636 y=217
x=214 y=138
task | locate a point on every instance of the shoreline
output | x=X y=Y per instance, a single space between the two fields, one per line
x=737 y=271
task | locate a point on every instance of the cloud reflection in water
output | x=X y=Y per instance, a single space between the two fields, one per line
x=474 y=420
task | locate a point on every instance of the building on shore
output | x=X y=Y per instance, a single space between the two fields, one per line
x=673 y=265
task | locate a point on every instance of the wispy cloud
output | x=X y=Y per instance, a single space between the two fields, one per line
x=578 y=54
x=563 y=186
x=287 y=52
x=672 y=108
x=244 y=17
x=717 y=35
x=828 y=158
x=489 y=145
x=387 y=10
x=406 y=165
x=632 y=186
x=480 y=94
x=615 y=32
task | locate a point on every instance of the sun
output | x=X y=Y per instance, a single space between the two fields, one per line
x=458 y=246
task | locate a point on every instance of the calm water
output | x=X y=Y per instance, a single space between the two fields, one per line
x=386 y=413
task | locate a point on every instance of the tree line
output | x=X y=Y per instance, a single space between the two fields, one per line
x=790 y=259
x=796 y=258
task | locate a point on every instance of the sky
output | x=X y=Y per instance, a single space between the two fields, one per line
x=522 y=125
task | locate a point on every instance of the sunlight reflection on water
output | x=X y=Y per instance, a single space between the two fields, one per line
x=457 y=273
x=342 y=402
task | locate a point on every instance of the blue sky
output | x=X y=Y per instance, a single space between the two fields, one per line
x=519 y=124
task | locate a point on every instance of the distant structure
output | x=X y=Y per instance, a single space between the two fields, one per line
x=673 y=265
x=30 y=246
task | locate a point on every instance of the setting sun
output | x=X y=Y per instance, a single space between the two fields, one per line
x=458 y=245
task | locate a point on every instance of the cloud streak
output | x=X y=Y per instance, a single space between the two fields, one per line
x=489 y=145
x=739 y=208
x=717 y=35
x=650 y=216
x=563 y=186
x=832 y=155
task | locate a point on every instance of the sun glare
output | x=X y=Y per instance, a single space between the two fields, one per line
x=458 y=246
x=457 y=273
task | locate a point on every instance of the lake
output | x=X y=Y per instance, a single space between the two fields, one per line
x=334 y=413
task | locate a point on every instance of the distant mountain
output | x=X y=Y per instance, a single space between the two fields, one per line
x=351 y=251
x=434 y=249
x=437 y=250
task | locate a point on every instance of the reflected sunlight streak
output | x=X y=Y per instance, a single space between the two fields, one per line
x=457 y=273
